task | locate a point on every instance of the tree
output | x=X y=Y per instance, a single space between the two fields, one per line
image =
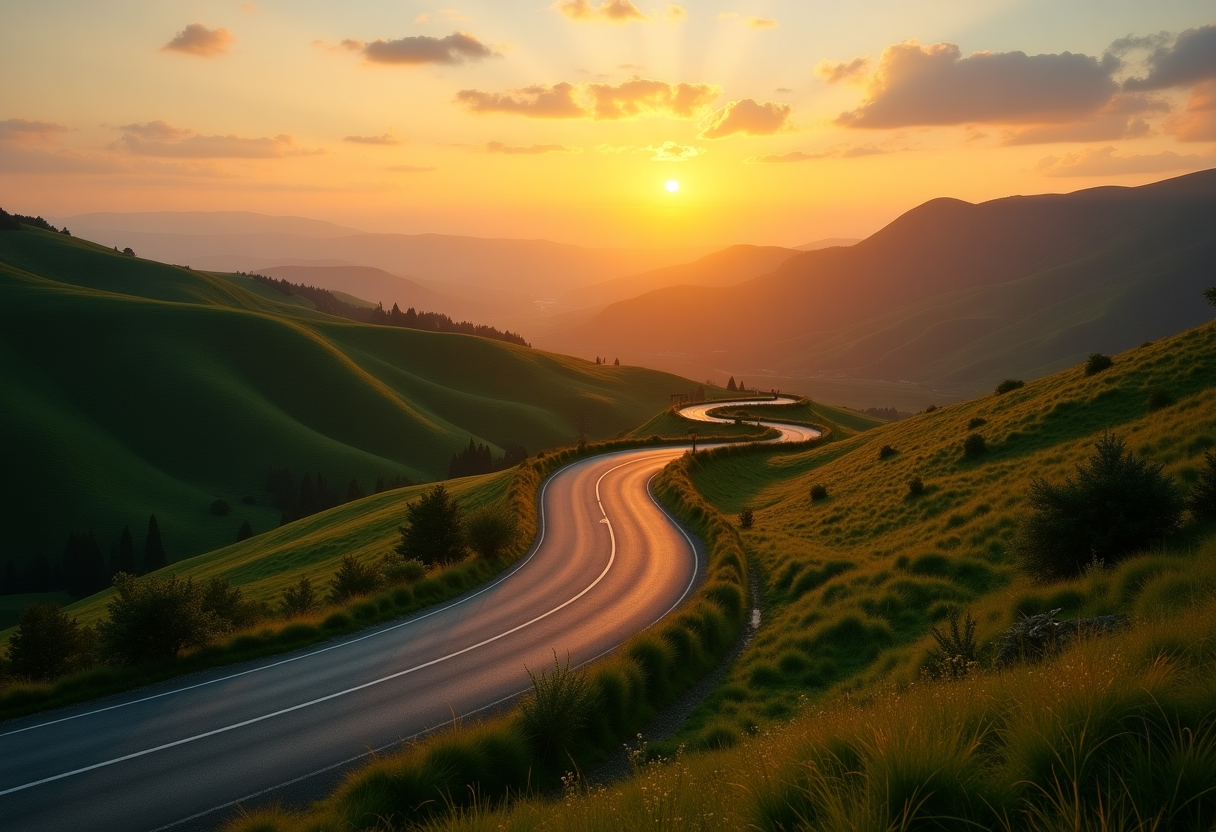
x=354 y=491
x=124 y=560
x=300 y=598
x=244 y=532
x=227 y=603
x=48 y=643
x=128 y=251
x=354 y=577
x=1118 y=503
x=1096 y=363
x=155 y=618
x=730 y=385
x=154 y=548
x=1210 y=294
x=492 y=529
x=617 y=362
x=1203 y=495
x=435 y=529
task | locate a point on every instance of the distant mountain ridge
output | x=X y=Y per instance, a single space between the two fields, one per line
x=951 y=296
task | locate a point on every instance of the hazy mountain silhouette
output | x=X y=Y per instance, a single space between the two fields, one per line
x=951 y=295
x=829 y=242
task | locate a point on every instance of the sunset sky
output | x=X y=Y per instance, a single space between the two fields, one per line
x=784 y=121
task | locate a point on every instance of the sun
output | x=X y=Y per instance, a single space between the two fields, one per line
x=672 y=186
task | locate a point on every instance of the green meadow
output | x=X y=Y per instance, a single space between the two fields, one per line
x=134 y=388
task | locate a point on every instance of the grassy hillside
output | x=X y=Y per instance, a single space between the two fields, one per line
x=951 y=296
x=133 y=388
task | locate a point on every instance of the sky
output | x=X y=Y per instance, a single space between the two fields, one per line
x=783 y=121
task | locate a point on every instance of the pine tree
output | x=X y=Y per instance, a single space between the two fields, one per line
x=154 y=548
x=617 y=362
x=730 y=385
x=435 y=533
x=354 y=491
x=244 y=532
x=125 y=559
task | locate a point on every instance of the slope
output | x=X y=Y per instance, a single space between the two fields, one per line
x=951 y=295
x=133 y=388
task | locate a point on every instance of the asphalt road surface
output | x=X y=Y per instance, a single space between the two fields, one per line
x=186 y=754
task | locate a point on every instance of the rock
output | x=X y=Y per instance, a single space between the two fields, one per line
x=1038 y=636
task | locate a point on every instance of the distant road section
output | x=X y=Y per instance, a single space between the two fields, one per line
x=608 y=562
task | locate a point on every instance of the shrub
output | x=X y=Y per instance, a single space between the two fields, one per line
x=977 y=422
x=48 y=643
x=155 y=618
x=1210 y=294
x=558 y=709
x=354 y=577
x=227 y=603
x=1117 y=504
x=492 y=529
x=931 y=408
x=244 y=532
x=1009 y=385
x=886 y=452
x=1159 y=397
x=300 y=598
x=957 y=652
x=746 y=518
x=974 y=446
x=399 y=571
x=916 y=487
x=220 y=508
x=1203 y=495
x=819 y=493
x=1096 y=363
x=435 y=532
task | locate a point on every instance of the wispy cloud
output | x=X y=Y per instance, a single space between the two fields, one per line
x=384 y=139
x=609 y=11
x=749 y=22
x=839 y=151
x=836 y=72
x=1107 y=161
x=456 y=48
x=673 y=152
x=197 y=39
x=159 y=138
x=19 y=131
x=529 y=150
x=634 y=98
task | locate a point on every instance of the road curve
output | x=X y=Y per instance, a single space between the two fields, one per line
x=608 y=562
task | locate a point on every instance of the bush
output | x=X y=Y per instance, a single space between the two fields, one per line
x=435 y=533
x=1210 y=294
x=1203 y=495
x=492 y=529
x=974 y=446
x=299 y=599
x=1096 y=363
x=1159 y=397
x=1117 y=504
x=244 y=532
x=977 y=422
x=819 y=493
x=220 y=508
x=48 y=643
x=916 y=487
x=227 y=603
x=931 y=408
x=558 y=709
x=957 y=652
x=886 y=452
x=399 y=571
x=1009 y=385
x=155 y=618
x=354 y=577
x=746 y=518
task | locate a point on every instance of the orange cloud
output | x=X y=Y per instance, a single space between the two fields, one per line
x=1105 y=161
x=750 y=22
x=197 y=39
x=748 y=117
x=1198 y=123
x=159 y=138
x=389 y=138
x=835 y=72
x=456 y=48
x=529 y=150
x=842 y=151
x=19 y=131
x=635 y=98
x=934 y=85
x=609 y=11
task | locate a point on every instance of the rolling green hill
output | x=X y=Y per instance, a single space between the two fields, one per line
x=133 y=387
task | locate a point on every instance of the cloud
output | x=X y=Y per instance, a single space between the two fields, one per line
x=835 y=72
x=197 y=39
x=1198 y=123
x=1190 y=59
x=840 y=151
x=410 y=169
x=749 y=22
x=676 y=14
x=748 y=117
x=536 y=101
x=615 y=149
x=159 y=138
x=1119 y=119
x=609 y=11
x=19 y=131
x=634 y=98
x=456 y=48
x=1106 y=162
x=385 y=139
x=530 y=150
x=933 y=85
x=783 y=91
x=793 y=156
x=632 y=68
x=672 y=152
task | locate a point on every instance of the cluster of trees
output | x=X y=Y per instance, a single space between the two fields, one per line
x=314 y=495
x=85 y=569
x=887 y=414
x=1117 y=504
x=327 y=302
x=478 y=459
x=604 y=360
x=438 y=533
x=13 y=222
x=736 y=388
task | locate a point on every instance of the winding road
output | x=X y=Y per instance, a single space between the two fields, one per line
x=186 y=754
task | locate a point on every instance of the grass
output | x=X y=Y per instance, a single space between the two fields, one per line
x=133 y=387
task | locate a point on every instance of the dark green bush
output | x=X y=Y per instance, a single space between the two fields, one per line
x=558 y=709
x=974 y=446
x=957 y=652
x=916 y=487
x=354 y=577
x=1118 y=503
x=1009 y=385
x=746 y=518
x=886 y=452
x=155 y=618
x=227 y=603
x=819 y=493
x=399 y=571
x=300 y=598
x=1159 y=398
x=434 y=533
x=220 y=508
x=49 y=643
x=492 y=529
x=977 y=422
x=1096 y=363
